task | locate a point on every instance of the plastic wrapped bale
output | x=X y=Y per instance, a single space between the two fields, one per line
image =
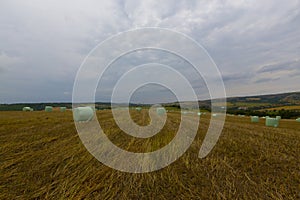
x=278 y=117
x=31 y=109
x=138 y=109
x=199 y=113
x=63 y=109
x=26 y=109
x=272 y=122
x=161 y=111
x=214 y=115
x=255 y=119
x=184 y=112
x=83 y=114
x=298 y=120
x=48 y=108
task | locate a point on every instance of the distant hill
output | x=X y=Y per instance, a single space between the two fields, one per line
x=286 y=105
x=284 y=98
x=267 y=101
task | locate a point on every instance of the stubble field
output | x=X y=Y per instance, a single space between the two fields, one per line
x=42 y=157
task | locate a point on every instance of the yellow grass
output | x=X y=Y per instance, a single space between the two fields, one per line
x=42 y=157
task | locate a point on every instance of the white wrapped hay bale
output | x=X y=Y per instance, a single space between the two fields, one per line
x=184 y=112
x=63 y=109
x=48 y=108
x=298 y=120
x=278 y=117
x=254 y=119
x=83 y=114
x=161 y=111
x=272 y=122
x=26 y=108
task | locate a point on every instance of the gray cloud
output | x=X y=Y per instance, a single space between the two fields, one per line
x=42 y=44
x=285 y=66
x=264 y=80
x=237 y=77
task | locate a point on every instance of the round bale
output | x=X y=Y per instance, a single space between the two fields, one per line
x=278 y=117
x=272 y=122
x=161 y=111
x=48 y=108
x=255 y=119
x=83 y=114
x=26 y=109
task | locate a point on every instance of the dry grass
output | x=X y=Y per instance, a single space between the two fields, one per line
x=42 y=156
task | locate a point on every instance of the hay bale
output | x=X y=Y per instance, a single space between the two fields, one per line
x=272 y=122
x=161 y=111
x=31 y=109
x=278 y=117
x=138 y=109
x=199 y=113
x=254 y=119
x=26 y=109
x=214 y=115
x=83 y=114
x=63 y=109
x=184 y=112
x=298 y=120
x=48 y=108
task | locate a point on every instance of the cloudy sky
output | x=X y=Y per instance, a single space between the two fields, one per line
x=255 y=44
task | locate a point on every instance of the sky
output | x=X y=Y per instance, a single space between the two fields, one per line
x=255 y=44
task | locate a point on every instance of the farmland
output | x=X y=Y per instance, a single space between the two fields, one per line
x=297 y=107
x=42 y=157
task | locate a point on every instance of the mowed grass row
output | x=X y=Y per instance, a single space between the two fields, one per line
x=42 y=156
